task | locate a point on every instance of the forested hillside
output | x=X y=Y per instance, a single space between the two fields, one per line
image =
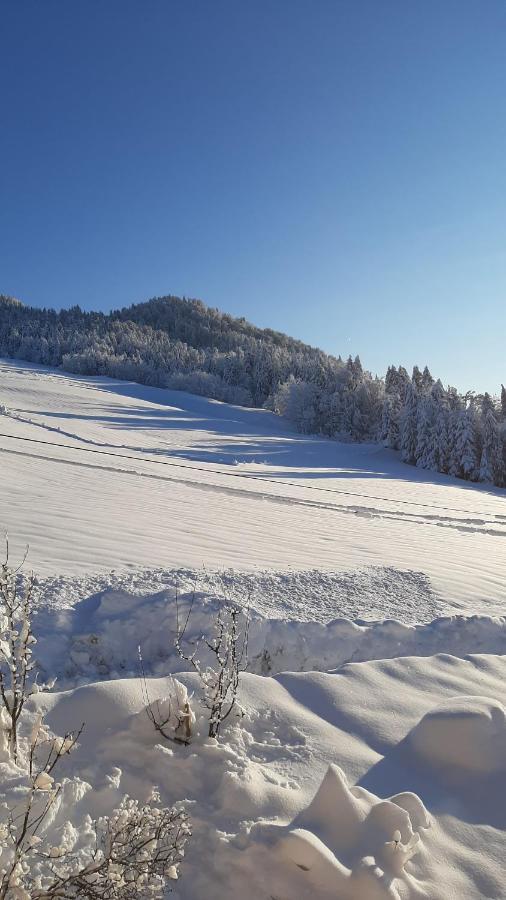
x=184 y=344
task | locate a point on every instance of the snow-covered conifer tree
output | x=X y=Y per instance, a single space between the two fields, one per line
x=392 y=408
x=466 y=446
x=487 y=405
x=416 y=378
x=408 y=426
x=427 y=380
x=426 y=456
x=491 y=462
x=442 y=438
x=503 y=401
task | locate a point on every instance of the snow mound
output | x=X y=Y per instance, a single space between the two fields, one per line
x=465 y=733
x=269 y=818
x=101 y=636
x=347 y=842
x=372 y=592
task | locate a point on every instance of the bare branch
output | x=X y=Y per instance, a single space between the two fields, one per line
x=229 y=648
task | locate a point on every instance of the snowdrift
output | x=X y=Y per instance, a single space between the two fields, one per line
x=465 y=735
x=321 y=789
x=376 y=838
x=100 y=637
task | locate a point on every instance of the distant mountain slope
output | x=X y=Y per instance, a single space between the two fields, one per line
x=202 y=326
x=183 y=344
x=168 y=337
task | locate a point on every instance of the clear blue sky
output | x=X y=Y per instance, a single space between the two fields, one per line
x=336 y=170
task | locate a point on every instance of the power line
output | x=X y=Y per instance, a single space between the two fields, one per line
x=240 y=475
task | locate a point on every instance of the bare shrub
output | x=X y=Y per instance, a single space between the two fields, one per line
x=16 y=642
x=19 y=836
x=135 y=850
x=228 y=647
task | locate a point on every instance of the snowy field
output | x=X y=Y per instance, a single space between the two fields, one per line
x=99 y=475
x=369 y=759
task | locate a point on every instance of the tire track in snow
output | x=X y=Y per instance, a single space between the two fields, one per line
x=249 y=476
x=363 y=512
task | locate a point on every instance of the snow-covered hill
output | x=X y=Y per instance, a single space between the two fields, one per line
x=368 y=760
x=97 y=474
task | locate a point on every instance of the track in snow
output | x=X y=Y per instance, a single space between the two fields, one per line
x=494 y=526
x=198 y=482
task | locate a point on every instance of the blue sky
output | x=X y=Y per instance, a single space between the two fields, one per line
x=336 y=170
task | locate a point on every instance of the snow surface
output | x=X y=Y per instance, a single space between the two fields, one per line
x=263 y=825
x=156 y=478
x=99 y=637
x=369 y=759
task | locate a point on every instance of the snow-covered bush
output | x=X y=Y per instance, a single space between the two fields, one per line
x=227 y=646
x=19 y=838
x=134 y=851
x=16 y=640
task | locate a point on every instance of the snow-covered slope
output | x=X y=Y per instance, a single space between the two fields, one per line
x=378 y=775
x=99 y=474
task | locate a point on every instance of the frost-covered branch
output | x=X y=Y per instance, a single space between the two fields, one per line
x=135 y=852
x=19 y=836
x=228 y=649
x=16 y=642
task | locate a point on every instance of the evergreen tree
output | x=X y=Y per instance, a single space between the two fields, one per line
x=396 y=384
x=454 y=467
x=427 y=380
x=442 y=439
x=492 y=461
x=416 y=379
x=426 y=456
x=466 y=446
x=487 y=405
x=408 y=426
